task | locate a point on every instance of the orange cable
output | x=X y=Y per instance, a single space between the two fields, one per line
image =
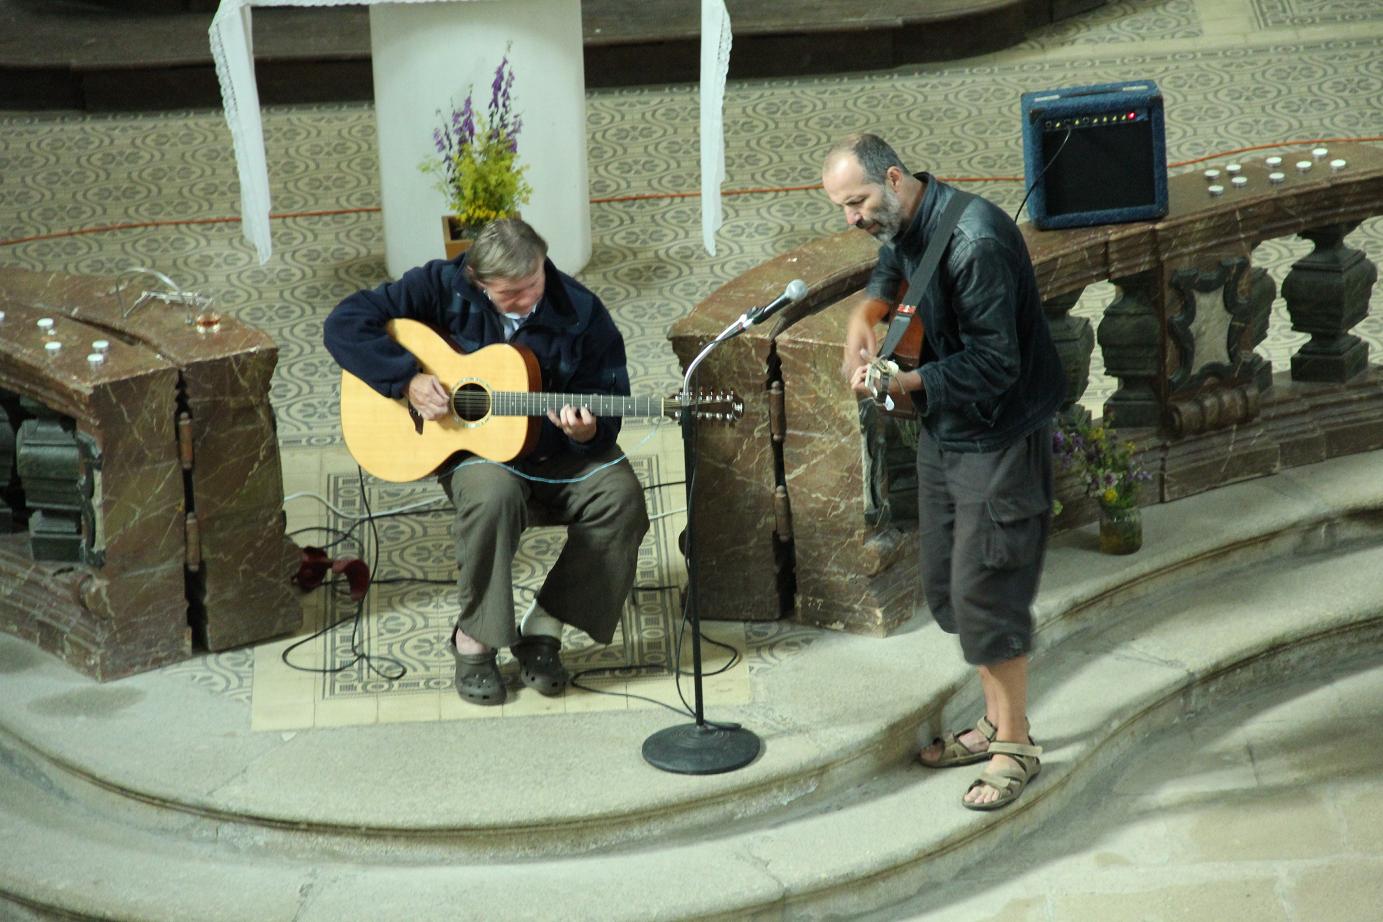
x=640 y=197
x=135 y=225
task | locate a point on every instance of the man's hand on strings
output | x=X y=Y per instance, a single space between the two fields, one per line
x=577 y=423
x=901 y=383
x=428 y=397
x=860 y=334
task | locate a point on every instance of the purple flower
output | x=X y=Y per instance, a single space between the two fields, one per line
x=465 y=132
x=497 y=86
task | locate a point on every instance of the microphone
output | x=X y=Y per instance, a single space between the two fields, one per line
x=796 y=291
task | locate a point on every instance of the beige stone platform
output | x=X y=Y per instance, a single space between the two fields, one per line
x=315 y=824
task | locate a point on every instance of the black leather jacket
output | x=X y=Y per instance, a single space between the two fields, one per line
x=990 y=372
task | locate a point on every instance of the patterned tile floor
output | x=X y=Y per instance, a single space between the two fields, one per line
x=1235 y=73
x=406 y=623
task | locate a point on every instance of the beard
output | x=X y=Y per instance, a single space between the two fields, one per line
x=888 y=219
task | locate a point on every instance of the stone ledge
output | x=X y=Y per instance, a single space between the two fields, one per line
x=392 y=791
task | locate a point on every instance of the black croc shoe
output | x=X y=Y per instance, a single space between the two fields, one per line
x=540 y=664
x=477 y=677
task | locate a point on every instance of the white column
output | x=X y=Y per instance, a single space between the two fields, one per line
x=426 y=56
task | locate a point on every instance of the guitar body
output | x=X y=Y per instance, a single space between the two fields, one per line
x=908 y=354
x=497 y=408
x=391 y=442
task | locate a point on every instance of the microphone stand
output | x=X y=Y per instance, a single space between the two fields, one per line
x=699 y=748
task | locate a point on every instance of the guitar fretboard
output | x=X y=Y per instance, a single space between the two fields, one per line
x=514 y=403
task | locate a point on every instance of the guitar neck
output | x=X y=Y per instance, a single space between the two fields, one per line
x=516 y=403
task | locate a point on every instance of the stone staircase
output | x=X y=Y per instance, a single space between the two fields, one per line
x=150 y=799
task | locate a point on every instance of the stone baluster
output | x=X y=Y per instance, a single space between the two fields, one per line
x=8 y=495
x=1130 y=337
x=1327 y=294
x=1075 y=343
x=48 y=457
x=1262 y=293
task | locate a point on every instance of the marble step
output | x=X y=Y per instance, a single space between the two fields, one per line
x=1117 y=673
x=832 y=717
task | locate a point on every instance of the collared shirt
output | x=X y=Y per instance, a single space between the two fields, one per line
x=510 y=323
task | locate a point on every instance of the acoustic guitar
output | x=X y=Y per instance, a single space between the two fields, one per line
x=496 y=408
x=906 y=355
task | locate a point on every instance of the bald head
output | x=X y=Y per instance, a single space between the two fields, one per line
x=872 y=152
x=866 y=178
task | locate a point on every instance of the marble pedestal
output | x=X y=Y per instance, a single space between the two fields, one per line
x=182 y=536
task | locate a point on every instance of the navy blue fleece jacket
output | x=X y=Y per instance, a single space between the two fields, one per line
x=578 y=347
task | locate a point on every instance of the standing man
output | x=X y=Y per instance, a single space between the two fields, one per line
x=986 y=392
x=504 y=289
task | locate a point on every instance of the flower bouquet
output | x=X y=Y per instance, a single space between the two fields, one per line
x=477 y=166
x=1109 y=472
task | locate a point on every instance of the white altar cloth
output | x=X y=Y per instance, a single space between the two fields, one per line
x=231 y=47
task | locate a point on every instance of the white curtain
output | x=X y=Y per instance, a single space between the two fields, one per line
x=231 y=49
x=715 y=61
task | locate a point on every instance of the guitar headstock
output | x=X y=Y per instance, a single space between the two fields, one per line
x=723 y=406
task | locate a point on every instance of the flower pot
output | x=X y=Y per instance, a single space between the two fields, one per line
x=1121 y=529
x=456 y=237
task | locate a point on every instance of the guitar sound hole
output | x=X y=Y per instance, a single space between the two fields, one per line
x=472 y=402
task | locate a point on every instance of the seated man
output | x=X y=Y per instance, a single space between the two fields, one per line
x=504 y=289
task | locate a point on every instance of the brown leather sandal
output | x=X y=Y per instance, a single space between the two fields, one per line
x=1008 y=780
x=954 y=752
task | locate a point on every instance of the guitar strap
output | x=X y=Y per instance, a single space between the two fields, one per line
x=922 y=276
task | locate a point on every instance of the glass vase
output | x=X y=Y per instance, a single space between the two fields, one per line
x=1121 y=529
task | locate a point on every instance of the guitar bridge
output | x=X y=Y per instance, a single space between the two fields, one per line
x=416 y=417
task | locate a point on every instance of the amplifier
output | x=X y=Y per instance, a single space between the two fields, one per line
x=1095 y=154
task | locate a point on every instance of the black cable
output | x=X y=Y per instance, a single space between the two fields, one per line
x=357 y=616
x=359 y=620
x=341 y=535
x=350 y=532
x=1039 y=176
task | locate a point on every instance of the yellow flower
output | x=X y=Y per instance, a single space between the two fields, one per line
x=1110 y=495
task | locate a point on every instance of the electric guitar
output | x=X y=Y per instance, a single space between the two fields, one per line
x=496 y=408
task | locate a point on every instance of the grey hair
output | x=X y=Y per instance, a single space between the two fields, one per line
x=873 y=154
x=508 y=248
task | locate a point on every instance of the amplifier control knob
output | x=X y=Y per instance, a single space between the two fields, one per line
x=1273 y=162
x=1337 y=165
x=1215 y=189
x=1319 y=153
x=1233 y=169
x=1277 y=179
x=1212 y=175
x=52 y=348
x=1303 y=166
x=1240 y=182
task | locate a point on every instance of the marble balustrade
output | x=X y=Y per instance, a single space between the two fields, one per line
x=788 y=502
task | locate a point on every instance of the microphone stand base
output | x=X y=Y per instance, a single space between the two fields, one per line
x=700 y=749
